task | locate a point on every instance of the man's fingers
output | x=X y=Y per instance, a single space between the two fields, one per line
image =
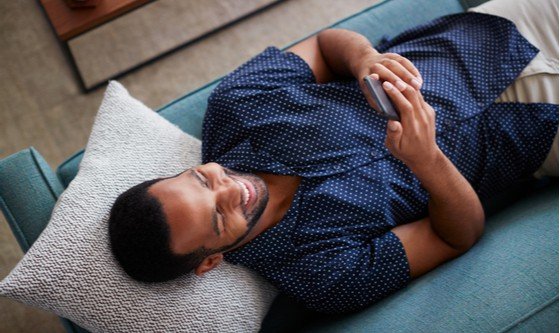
x=427 y=109
x=406 y=109
x=402 y=72
x=394 y=133
x=421 y=110
x=415 y=98
x=407 y=64
x=387 y=75
x=412 y=96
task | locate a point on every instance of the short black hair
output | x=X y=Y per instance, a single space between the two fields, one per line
x=140 y=238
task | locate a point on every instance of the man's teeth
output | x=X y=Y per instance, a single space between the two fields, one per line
x=246 y=193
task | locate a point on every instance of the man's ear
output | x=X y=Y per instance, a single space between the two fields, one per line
x=209 y=263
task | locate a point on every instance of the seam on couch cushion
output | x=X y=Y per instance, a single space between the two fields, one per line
x=68 y=160
x=47 y=181
x=529 y=315
x=20 y=236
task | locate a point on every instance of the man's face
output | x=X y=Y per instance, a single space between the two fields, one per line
x=210 y=206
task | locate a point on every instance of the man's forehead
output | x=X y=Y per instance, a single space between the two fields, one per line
x=169 y=184
x=184 y=205
x=173 y=191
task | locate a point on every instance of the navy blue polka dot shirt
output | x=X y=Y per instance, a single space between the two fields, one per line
x=334 y=250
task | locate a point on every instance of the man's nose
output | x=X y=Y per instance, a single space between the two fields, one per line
x=226 y=188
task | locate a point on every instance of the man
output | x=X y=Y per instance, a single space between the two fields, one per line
x=333 y=204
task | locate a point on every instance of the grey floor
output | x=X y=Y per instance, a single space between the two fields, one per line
x=41 y=104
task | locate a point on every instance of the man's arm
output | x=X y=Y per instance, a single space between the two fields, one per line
x=310 y=52
x=456 y=219
x=345 y=51
x=456 y=213
x=456 y=216
x=455 y=222
x=336 y=53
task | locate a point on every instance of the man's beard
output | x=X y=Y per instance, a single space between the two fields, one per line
x=257 y=212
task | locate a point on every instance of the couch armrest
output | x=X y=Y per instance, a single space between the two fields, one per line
x=28 y=192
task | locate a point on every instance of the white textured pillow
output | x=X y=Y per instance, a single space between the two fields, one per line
x=70 y=269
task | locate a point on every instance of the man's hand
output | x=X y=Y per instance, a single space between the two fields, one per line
x=413 y=138
x=456 y=213
x=345 y=53
x=390 y=67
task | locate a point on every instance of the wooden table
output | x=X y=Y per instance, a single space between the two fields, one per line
x=68 y=22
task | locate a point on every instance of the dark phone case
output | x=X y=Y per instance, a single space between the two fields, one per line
x=376 y=91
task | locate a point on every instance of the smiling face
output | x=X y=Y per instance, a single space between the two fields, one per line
x=210 y=206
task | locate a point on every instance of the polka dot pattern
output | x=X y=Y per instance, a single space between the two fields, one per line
x=334 y=250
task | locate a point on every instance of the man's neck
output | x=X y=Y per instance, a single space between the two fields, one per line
x=281 y=191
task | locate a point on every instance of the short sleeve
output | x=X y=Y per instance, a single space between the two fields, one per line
x=348 y=277
x=243 y=92
x=271 y=69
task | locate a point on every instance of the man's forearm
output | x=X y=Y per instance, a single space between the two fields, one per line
x=456 y=213
x=342 y=50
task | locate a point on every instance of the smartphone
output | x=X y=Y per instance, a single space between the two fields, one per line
x=376 y=91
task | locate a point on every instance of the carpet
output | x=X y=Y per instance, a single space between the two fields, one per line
x=151 y=31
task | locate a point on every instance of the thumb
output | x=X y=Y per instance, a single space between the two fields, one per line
x=394 y=132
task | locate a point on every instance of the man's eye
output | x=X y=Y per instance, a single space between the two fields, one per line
x=222 y=219
x=204 y=179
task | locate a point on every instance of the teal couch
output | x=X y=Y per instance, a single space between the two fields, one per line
x=507 y=282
